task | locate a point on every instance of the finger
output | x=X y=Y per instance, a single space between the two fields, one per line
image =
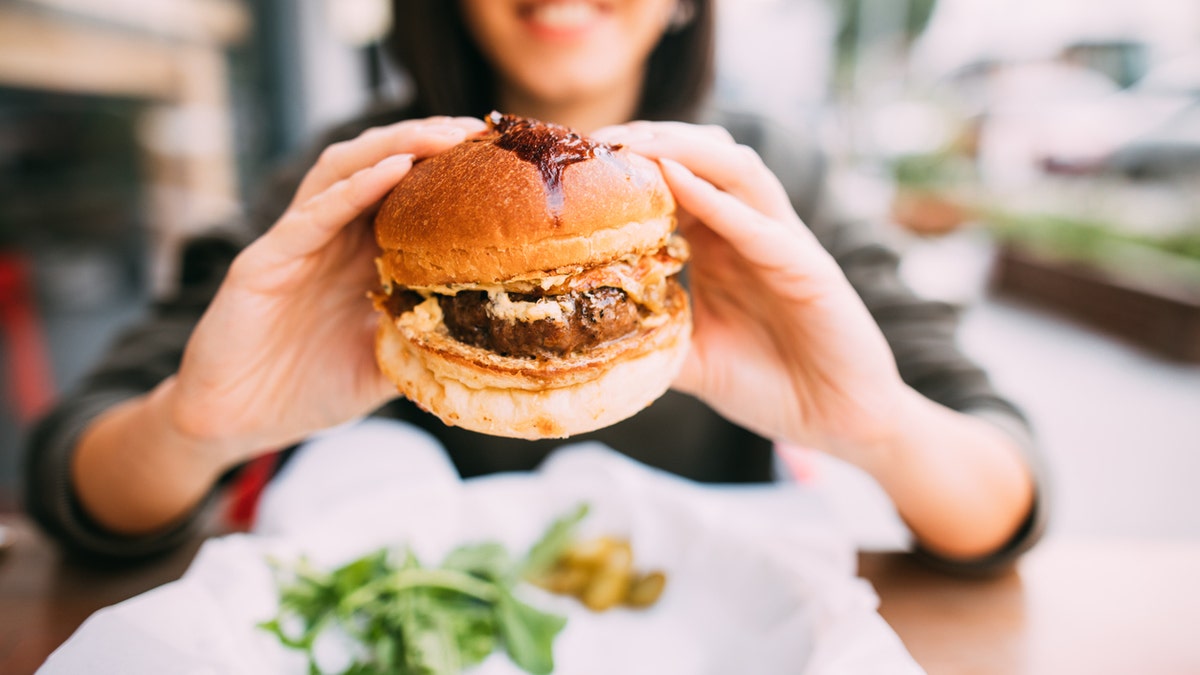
x=701 y=370
x=691 y=373
x=778 y=245
x=421 y=138
x=306 y=228
x=642 y=129
x=711 y=154
x=378 y=387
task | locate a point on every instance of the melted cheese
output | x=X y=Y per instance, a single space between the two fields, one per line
x=425 y=317
x=503 y=307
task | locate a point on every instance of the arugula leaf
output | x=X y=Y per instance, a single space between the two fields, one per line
x=386 y=649
x=528 y=633
x=415 y=620
x=475 y=631
x=357 y=573
x=557 y=538
x=275 y=629
x=488 y=560
x=429 y=648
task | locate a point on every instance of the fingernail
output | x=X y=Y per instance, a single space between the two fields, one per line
x=445 y=131
x=394 y=160
x=609 y=133
x=633 y=136
x=673 y=166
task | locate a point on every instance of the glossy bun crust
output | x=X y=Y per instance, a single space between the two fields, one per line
x=478 y=213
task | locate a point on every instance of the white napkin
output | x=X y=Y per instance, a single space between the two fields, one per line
x=759 y=580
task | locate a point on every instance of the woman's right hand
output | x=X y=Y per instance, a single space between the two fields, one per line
x=287 y=346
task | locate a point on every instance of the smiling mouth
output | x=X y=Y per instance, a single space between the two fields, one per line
x=561 y=17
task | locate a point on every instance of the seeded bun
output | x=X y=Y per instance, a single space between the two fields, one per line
x=483 y=216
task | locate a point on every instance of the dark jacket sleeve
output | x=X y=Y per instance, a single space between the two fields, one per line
x=142 y=356
x=922 y=333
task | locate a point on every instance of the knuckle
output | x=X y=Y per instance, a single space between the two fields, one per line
x=354 y=188
x=332 y=153
x=748 y=158
x=373 y=134
x=245 y=265
x=717 y=132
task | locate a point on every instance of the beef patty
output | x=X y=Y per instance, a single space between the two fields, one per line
x=588 y=318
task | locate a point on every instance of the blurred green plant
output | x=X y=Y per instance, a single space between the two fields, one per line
x=934 y=191
x=1086 y=239
x=930 y=172
x=851 y=13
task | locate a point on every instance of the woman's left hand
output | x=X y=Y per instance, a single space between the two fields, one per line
x=782 y=343
x=784 y=346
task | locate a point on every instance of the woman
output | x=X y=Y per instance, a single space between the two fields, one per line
x=802 y=332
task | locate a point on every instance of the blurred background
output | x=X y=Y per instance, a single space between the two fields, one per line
x=1037 y=162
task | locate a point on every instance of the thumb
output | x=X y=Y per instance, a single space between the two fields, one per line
x=378 y=386
x=690 y=379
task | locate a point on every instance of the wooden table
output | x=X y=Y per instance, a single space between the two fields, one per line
x=44 y=595
x=1088 y=606
x=1074 y=606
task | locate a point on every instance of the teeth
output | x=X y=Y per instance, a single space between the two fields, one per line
x=564 y=15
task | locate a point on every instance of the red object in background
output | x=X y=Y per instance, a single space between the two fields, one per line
x=247 y=489
x=30 y=386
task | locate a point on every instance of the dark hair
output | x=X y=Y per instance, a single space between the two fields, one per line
x=451 y=76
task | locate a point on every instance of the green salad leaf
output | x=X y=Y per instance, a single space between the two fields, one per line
x=410 y=619
x=557 y=538
x=528 y=633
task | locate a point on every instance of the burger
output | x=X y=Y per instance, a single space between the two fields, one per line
x=528 y=283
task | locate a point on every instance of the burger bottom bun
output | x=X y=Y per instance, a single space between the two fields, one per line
x=479 y=390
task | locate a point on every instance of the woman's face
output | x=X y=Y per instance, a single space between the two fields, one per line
x=559 y=52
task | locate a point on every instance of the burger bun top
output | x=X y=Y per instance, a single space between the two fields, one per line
x=481 y=213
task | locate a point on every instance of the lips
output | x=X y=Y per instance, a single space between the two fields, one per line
x=561 y=19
